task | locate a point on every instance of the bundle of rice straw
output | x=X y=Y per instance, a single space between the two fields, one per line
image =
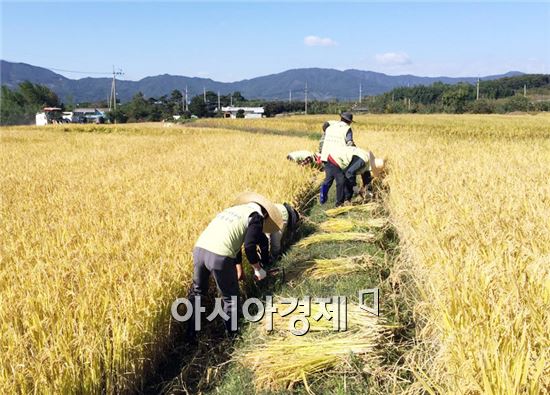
x=335 y=237
x=323 y=268
x=347 y=224
x=284 y=360
x=333 y=212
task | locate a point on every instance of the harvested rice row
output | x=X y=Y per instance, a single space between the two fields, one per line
x=335 y=237
x=348 y=224
x=369 y=207
x=322 y=268
x=284 y=359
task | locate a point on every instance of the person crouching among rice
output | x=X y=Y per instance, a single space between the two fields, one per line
x=218 y=251
x=344 y=164
x=282 y=238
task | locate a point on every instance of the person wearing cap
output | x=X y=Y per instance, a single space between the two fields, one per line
x=344 y=164
x=280 y=238
x=335 y=134
x=218 y=250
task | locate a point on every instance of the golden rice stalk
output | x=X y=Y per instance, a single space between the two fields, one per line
x=335 y=237
x=284 y=359
x=369 y=207
x=323 y=268
x=337 y=225
x=347 y=224
x=352 y=319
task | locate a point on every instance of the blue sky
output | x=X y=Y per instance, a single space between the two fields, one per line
x=229 y=41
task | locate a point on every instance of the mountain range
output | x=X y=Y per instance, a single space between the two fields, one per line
x=323 y=84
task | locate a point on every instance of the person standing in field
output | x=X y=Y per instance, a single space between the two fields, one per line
x=344 y=164
x=335 y=134
x=218 y=251
x=279 y=239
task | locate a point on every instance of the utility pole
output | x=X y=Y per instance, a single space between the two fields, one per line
x=525 y=90
x=290 y=95
x=306 y=97
x=360 y=93
x=112 y=99
x=231 y=102
x=204 y=93
x=186 y=97
x=477 y=90
x=219 y=108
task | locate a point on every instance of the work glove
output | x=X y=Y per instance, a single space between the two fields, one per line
x=260 y=274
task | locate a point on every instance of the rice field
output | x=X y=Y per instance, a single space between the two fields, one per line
x=97 y=230
x=470 y=199
x=97 y=233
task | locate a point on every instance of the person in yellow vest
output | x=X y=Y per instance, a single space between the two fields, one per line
x=218 y=250
x=344 y=164
x=279 y=239
x=335 y=134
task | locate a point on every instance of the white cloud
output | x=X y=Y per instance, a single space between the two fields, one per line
x=315 y=41
x=393 y=59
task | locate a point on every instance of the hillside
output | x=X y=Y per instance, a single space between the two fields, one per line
x=323 y=84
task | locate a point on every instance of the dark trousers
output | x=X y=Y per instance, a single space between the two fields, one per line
x=334 y=173
x=350 y=174
x=224 y=272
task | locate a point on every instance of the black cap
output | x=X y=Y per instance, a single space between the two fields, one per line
x=347 y=116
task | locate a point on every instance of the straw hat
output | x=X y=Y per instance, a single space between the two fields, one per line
x=377 y=165
x=274 y=222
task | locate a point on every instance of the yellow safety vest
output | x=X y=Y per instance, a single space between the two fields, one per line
x=335 y=136
x=225 y=234
x=343 y=156
x=284 y=214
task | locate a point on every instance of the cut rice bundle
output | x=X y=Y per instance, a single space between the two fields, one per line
x=335 y=318
x=284 y=360
x=348 y=224
x=323 y=268
x=333 y=212
x=335 y=237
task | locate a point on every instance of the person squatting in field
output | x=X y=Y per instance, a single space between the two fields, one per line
x=280 y=239
x=335 y=134
x=218 y=251
x=344 y=164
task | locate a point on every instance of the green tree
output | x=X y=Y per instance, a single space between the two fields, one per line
x=138 y=109
x=20 y=106
x=454 y=99
x=198 y=106
x=516 y=103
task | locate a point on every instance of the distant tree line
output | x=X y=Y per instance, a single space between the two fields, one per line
x=19 y=106
x=496 y=96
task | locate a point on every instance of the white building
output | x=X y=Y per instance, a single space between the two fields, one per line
x=249 y=112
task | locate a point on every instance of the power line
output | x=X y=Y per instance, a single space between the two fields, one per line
x=78 y=72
